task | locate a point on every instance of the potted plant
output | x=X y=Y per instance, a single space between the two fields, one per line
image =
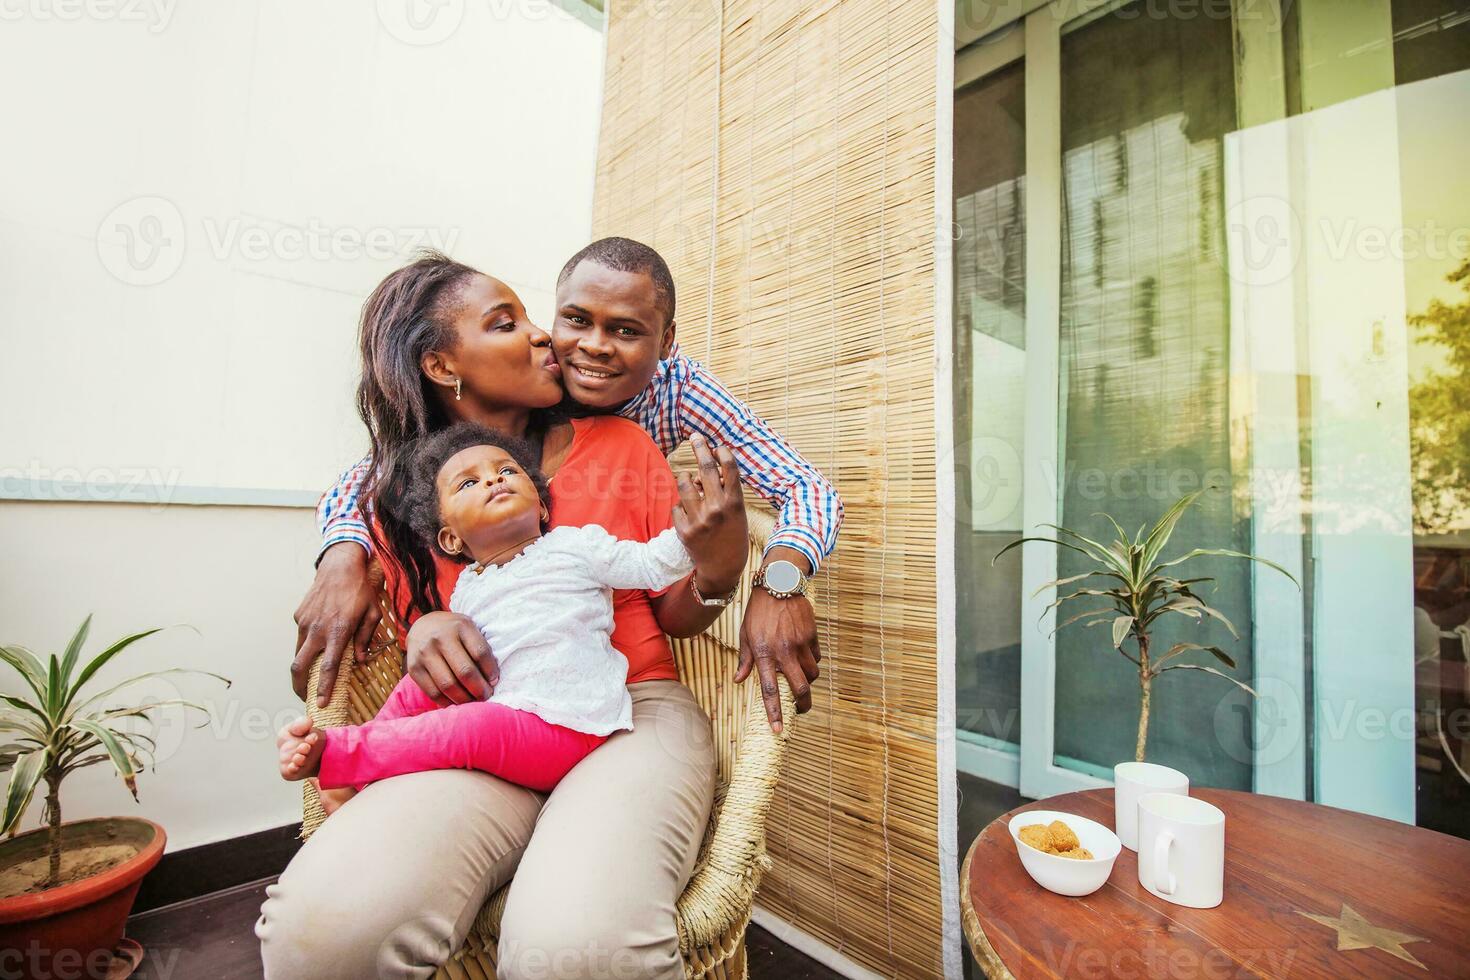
x=1145 y=590
x=66 y=889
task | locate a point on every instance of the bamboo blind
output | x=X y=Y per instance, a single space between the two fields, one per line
x=781 y=157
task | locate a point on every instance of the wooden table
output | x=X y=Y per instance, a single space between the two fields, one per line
x=1310 y=891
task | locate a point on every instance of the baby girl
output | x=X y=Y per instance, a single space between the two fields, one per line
x=544 y=602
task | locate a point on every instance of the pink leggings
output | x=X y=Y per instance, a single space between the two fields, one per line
x=412 y=734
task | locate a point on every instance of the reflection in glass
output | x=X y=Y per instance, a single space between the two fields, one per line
x=990 y=317
x=1432 y=47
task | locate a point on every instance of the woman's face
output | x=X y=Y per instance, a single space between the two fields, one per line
x=499 y=355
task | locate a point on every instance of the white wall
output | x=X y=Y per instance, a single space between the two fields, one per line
x=194 y=206
x=195 y=201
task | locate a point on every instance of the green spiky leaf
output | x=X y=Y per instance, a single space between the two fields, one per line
x=1052 y=541
x=28 y=666
x=1158 y=538
x=1098 y=552
x=1223 y=553
x=122 y=761
x=1079 y=616
x=1181 y=648
x=73 y=650
x=1211 y=670
x=1058 y=583
x=142 y=677
x=1118 y=528
x=25 y=776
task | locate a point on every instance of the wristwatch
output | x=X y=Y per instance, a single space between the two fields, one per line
x=781 y=578
x=717 y=602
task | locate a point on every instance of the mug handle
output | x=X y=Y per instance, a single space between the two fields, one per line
x=1164 y=881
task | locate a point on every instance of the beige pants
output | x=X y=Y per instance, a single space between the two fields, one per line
x=390 y=884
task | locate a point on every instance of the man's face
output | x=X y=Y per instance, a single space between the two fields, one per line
x=609 y=334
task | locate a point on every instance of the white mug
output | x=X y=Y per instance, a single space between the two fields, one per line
x=1181 y=849
x=1132 y=780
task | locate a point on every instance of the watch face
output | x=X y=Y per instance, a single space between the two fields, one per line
x=783 y=576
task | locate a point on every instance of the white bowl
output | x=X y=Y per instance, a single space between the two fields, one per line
x=1067 y=876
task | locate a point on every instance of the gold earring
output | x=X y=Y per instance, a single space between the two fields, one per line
x=458 y=384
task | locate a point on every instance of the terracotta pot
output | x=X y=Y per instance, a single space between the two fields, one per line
x=71 y=931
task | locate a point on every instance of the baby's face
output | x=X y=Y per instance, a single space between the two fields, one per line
x=486 y=501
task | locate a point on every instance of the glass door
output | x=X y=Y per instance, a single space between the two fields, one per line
x=990 y=328
x=1244 y=245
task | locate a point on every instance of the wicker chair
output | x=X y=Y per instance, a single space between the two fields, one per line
x=714 y=910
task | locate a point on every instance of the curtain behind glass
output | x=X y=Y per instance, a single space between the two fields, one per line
x=1144 y=370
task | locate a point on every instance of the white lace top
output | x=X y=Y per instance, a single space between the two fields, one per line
x=548 y=617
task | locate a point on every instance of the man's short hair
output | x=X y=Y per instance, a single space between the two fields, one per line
x=626 y=255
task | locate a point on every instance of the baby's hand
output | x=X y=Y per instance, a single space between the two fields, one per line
x=301 y=749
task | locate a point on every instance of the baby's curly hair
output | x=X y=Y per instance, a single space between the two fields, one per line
x=431 y=453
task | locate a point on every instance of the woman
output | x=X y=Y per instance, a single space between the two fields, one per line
x=615 y=843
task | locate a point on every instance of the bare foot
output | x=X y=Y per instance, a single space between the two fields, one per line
x=301 y=749
x=332 y=799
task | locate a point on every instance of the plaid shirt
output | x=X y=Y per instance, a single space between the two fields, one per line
x=683 y=398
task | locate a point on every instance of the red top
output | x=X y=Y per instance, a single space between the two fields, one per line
x=614 y=476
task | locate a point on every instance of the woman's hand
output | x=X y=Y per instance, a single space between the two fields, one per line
x=449 y=659
x=341 y=607
x=710 y=519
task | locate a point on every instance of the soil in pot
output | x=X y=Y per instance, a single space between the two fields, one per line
x=87 y=848
x=28 y=876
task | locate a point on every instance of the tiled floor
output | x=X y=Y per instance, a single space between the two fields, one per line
x=212 y=937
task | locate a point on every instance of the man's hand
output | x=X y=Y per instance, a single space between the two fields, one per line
x=341 y=607
x=780 y=636
x=449 y=659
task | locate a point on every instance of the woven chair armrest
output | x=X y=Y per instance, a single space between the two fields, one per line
x=357 y=695
x=722 y=890
x=333 y=715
